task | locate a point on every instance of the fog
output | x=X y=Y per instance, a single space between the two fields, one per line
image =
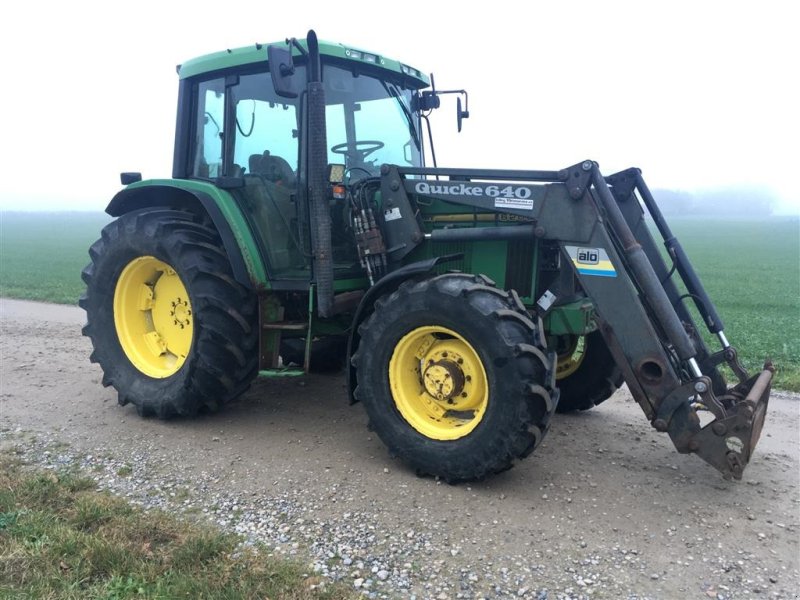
x=701 y=96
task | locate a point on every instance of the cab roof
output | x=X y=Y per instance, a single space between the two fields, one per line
x=256 y=53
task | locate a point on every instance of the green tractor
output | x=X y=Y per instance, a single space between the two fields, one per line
x=302 y=227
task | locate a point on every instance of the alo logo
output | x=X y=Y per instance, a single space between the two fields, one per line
x=588 y=256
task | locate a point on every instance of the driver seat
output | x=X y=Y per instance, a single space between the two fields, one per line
x=273 y=168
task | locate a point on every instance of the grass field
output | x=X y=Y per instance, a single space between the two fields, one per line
x=61 y=538
x=42 y=254
x=751 y=271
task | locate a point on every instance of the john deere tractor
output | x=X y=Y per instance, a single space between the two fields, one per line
x=301 y=226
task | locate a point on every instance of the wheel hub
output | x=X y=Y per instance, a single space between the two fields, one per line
x=438 y=383
x=443 y=380
x=180 y=312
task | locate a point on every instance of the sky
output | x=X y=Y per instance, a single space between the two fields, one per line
x=698 y=94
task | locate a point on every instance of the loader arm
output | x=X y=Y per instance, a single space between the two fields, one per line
x=603 y=238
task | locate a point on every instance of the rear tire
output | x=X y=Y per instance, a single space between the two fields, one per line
x=588 y=377
x=454 y=377
x=171 y=328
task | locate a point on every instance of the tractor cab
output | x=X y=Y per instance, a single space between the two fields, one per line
x=244 y=126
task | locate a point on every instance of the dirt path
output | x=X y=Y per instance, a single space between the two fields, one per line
x=604 y=509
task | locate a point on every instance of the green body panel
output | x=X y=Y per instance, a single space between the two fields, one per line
x=258 y=53
x=496 y=259
x=348 y=285
x=488 y=258
x=233 y=215
x=576 y=318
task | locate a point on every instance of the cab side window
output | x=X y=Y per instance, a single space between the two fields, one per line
x=265 y=153
x=266 y=139
x=207 y=158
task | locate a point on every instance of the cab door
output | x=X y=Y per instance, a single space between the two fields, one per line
x=265 y=150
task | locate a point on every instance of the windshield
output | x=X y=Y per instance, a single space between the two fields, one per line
x=369 y=123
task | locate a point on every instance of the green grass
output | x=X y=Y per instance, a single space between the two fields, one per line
x=62 y=539
x=751 y=271
x=42 y=254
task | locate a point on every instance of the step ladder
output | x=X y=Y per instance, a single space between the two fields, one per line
x=272 y=326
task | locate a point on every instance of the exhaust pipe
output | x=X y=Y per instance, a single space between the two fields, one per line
x=322 y=246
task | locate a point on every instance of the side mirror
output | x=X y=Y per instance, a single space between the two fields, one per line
x=461 y=114
x=281 y=69
x=129 y=178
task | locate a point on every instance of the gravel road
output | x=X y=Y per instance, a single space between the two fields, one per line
x=604 y=509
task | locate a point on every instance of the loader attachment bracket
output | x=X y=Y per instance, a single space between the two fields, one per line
x=727 y=442
x=578 y=178
x=729 y=356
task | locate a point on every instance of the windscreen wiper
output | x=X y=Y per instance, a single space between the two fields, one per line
x=392 y=91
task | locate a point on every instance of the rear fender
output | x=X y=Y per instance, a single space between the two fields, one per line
x=385 y=285
x=218 y=205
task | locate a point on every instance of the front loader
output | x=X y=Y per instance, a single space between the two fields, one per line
x=302 y=226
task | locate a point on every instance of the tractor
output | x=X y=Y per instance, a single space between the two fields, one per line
x=307 y=223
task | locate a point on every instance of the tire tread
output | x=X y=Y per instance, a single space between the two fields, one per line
x=223 y=360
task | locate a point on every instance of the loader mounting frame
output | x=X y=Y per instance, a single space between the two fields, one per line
x=599 y=225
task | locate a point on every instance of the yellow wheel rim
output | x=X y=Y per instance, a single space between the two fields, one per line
x=571 y=359
x=153 y=317
x=438 y=383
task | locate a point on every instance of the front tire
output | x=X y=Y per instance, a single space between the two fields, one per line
x=171 y=328
x=454 y=377
x=587 y=373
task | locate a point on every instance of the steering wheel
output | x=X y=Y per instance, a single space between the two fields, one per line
x=361 y=148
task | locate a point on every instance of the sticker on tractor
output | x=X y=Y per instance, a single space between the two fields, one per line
x=591 y=261
x=734 y=444
x=518 y=203
x=546 y=301
x=392 y=214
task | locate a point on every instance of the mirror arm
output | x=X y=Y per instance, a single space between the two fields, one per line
x=460 y=114
x=292 y=42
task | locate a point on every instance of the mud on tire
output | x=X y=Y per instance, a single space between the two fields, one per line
x=492 y=329
x=222 y=357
